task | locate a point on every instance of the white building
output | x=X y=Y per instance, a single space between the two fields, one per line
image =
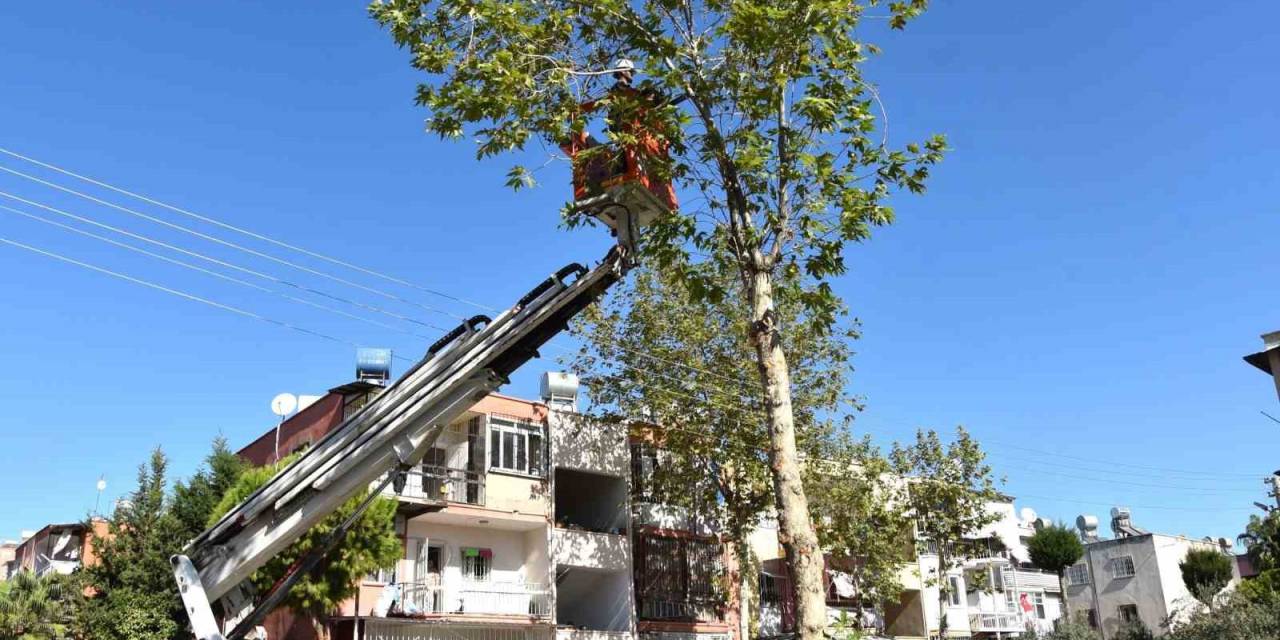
x=994 y=593
x=519 y=525
x=1133 y=577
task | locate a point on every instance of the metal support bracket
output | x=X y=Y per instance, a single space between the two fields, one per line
x=203 y=624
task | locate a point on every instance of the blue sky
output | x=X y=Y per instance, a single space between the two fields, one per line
x=1077 y=288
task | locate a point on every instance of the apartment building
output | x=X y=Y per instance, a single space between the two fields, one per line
x=518 y=525
x=1132 y=577
x=57 y=548
x=994 y=593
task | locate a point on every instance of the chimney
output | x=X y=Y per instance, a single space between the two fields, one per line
x=560 y=390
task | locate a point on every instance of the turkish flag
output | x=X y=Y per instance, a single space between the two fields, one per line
x=1026 y=603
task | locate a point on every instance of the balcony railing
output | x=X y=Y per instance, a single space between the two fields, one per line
x=996 y=622
x=445 y=484
x=678 y=610
x=500 y=598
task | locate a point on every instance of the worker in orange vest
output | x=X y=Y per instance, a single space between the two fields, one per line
x=628 y=108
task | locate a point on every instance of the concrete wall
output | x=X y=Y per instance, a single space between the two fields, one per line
x=515 y=493
x=509 y=551
x=593 y=446
x=596 y=600
x=1156 y=588
x=586 y=549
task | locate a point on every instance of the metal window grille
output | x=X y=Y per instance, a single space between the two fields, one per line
x=1078 y=575
x=1122 y=567
x=517 y=446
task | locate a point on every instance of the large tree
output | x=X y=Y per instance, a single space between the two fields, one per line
x=1205 y=572
x=197 y=497
x=863 y=524
x=950 y=488
x=37 y=607
x=133 y=580
x=778 y=143
x=1054 y=548
x=369 y=545
x=652 y=351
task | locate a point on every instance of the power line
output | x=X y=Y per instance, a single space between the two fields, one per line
x=210 y=272
x=1055 y=454
x=241 y=230
x=286 y=245
x=219 y=262
x=182 y=294
x=384 y=276
x=227 y=243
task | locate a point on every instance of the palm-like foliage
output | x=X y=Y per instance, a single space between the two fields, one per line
x=1262 y=538
x=32 y=606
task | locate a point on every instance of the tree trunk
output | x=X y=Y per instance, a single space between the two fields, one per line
x=943 y=597
x=795 y=530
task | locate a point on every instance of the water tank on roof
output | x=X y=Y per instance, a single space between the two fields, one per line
x=560 y=390
x=373 y=365
x=1088 y=527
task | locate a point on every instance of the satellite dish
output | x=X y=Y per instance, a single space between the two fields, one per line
x=284 y=404
x=1027 y=515
x=102 y=484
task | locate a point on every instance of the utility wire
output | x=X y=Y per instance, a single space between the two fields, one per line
x=401 y=281
x=241 y=230
x=227 y=243
x=210 y=272
x=1055 y=454
x=293 y=327
x=219 y=262
x=292 y=247
x=182 y=294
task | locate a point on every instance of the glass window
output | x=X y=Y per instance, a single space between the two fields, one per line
x=516 y=446
x=476 y=563
x=1037 y=599
x=954 y=589
x=1122 y=567
x=1129 y=613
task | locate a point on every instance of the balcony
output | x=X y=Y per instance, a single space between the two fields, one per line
x=426 y=486
x=996 y=623
x=591 y=550
x=423 y=600
x=1021 y=579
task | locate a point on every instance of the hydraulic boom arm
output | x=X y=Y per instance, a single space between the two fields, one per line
x=384 y=438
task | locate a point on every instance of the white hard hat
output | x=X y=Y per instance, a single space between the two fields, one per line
x=624 y=64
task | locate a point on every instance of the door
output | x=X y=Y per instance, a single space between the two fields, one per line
x=435 y=474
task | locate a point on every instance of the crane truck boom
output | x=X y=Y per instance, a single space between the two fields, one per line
x=377 y=445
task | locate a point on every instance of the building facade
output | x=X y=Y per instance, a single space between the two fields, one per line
x=57 y=548
x=519 y=525
x=993 y=593
x=1132 y=578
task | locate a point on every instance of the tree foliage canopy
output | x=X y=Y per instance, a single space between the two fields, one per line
x=37 y=607
x=781 y=141
x=370 y=545
x=1054 y=548
x=1205 y=572
x=133 y=579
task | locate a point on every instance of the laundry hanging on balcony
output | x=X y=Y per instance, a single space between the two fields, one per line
x=474 y=552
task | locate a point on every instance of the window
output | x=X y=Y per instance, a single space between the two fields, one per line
x=954 y=589
x=1128 y=613
x=1037 y=600
x=1122 y=567
x=516 y=446
x=382 y=576
x=1077 y=575
x=476 y=563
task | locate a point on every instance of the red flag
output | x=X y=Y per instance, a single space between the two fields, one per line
x=1026 y=603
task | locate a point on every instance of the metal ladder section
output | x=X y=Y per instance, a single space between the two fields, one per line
x=394 y=431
